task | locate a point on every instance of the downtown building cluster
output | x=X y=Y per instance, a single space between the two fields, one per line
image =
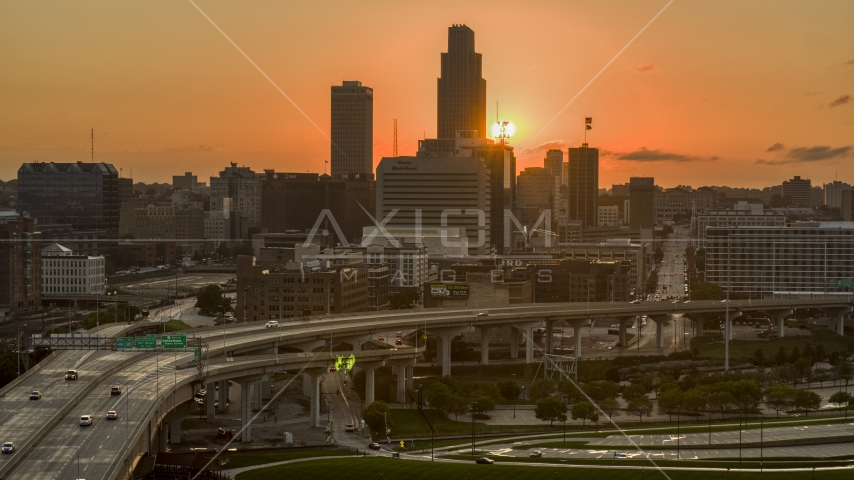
x=455 y=216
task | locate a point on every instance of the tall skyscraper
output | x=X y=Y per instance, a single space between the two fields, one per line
x=554 y=162
x=352 y=128
x=84 y=195
x=799 y=191
x=462 y=90
x=583 y=191
x=642 y=201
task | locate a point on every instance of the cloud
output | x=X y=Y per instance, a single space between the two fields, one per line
x=842 y=100
x=775 y=147
x=850 y=62
x=645 y=68
x=549 y=145
x=646 y=155
x=817 y=153
x=812 y=94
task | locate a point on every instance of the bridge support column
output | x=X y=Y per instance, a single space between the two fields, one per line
x=258 y=401
x=355 y=341
x=245 y=413
x=311 y=388
x=370 y=368
x=780 y=317
x=659 y=320
x=266 y=388
x=210 y=402
x=549 y=336
x=514 y=342
x=410 y=377
x=484 y=345
x=623 y=323
x=529 y=344
x=223 y=396
x=839 y=315
x=175 y=432
x=402 y=367
x=163 y=440
x=443 y=346
x=577 y=325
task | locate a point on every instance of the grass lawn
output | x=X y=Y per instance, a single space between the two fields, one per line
x=246 y=459
x=176 y=326
x=712 y=346
x=732 y=463
x=386 y=468
x=409 y=423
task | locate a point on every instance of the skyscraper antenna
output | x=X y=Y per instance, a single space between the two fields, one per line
x=394 y=152
x=92 y=139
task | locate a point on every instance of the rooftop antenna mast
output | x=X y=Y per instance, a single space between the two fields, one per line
x=394 y=153
x=92 y=139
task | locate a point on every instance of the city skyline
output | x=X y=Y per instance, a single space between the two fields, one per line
x=682 y=102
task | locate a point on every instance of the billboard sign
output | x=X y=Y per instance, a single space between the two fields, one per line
x=445 y=290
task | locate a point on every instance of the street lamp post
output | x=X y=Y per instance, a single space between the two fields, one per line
x=18 y=342
x=678 y=439
x=78 y=459
x=761 y=438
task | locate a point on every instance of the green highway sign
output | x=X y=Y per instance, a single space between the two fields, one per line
x=840 y=282
x=124 y=342
x=173 y=341
x=197 y=352
x=148 y=341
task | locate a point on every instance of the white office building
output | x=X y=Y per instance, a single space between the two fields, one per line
x=805 y=257
x=743 y=215
x=66 y=273
x=833 y=193
x=609 y=216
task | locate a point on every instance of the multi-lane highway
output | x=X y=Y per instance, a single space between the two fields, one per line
x=102 y=446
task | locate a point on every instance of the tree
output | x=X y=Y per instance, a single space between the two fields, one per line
x=550 y=409
x=210 y=300
x=600 y=389
x=633 y=391
x=610 y=406
x=779 y=397
x=721 y=401
x=694 y=401
x=483 y=404
x=458 y=406
x=541 y=389
x=583 y=411
x=613 y=375
x=706 y=291
x=438 y=395
x=746 y=403
x=403 y=299
x=669 y=401
x=781 y=355
x=652 y=281
x=509 y=389
x=640 y=406
x=806 y=400
x=759 y=358
x=840 y=398
x=377 y=416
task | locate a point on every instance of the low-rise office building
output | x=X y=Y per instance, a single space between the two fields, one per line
x=67 y=273
x=743 y=215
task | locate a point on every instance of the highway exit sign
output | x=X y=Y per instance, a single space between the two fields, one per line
x=147 y=341
x=124 y=342
x=173 y=341
x=840 y=282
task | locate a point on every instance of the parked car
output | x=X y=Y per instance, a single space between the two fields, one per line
x=271 y=324
x=350 y=428
x=71 y=375
x=86 y=420
x=116 y=390
x=484 y=461
x=374 y=446
x=536 y=454
x=112 y=415
x=35 y=395
x=8 y=447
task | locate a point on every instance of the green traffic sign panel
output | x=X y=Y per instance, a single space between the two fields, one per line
x=840 y=282
x=124 y=342
x=197 y=352
x=173 y=341
x=148 y=341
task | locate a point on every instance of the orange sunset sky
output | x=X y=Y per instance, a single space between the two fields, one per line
x=738 y=93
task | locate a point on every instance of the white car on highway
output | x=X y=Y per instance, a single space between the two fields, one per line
x=271 y=324
x=85 y=420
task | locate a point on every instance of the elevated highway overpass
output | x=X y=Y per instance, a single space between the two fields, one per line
x=159 y=385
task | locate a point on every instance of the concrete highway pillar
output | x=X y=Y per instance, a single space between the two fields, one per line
x=210 y=402
x=410 y=378
x=514 y=342
x=484 y=345
x=577 y=325
x=623 y=323
x=402 y=368
x=311 y=389
x=839 y=315
x=223 y=396
x=780 y=316
x=370 y=368
x=163 y=439
x=259 y=402
x=266 y=388
x=443 y=346
x=175 y=432
x=549 y=336
x=659 y=320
